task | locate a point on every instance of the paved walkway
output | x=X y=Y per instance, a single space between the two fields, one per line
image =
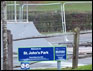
x=53 y=64
x=82 y=50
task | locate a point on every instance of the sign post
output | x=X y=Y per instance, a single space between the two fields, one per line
x=59 y=65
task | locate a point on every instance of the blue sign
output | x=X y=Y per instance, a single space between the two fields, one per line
x=36 y=54
x=25 y=66
x=60 y=53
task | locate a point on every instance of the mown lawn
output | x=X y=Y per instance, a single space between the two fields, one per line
x=86 y=67
x=70 y=7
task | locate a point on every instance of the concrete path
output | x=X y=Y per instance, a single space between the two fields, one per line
x=53 y=64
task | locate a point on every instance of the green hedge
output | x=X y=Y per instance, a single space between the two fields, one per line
x=51 y=22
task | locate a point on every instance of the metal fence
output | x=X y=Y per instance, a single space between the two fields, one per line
x=47 y=17
x=78 y=14
x=52 y=17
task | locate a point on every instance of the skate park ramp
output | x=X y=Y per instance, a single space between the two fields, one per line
x=23 y=30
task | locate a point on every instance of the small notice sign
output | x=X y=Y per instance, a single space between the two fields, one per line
x=60 y=53
x=25 y=66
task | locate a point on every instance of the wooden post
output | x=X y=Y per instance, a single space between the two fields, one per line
x=4 y=34
x=76 y=48
x=10 y=51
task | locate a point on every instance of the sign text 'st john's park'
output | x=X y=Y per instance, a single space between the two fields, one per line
x=42 y=53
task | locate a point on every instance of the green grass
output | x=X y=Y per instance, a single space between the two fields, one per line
x=78 y=7
x=70 y=7
x=86 y=67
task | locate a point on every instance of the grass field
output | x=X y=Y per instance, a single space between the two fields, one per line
x=86 y=67
x=70 y=7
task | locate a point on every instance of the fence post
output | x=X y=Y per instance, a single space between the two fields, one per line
x=10 y=50
x=4 y=34
x=76 y=48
